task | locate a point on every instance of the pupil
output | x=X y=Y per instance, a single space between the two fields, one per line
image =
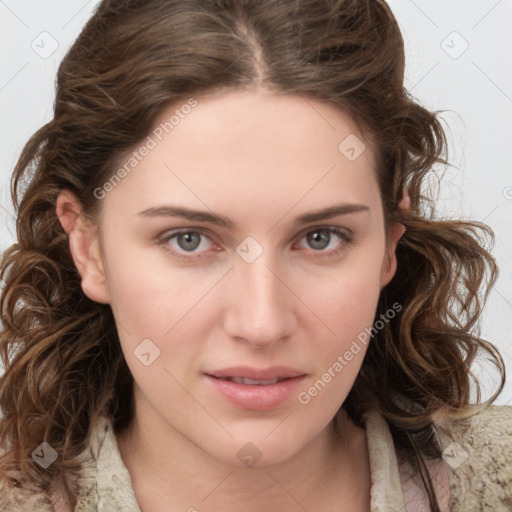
x=189 y=240
x=317 y=236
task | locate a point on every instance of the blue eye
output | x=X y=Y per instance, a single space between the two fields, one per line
x=190 y=245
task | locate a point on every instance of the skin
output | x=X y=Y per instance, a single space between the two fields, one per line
x=261 y=160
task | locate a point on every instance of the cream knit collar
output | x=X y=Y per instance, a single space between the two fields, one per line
x=106 y=485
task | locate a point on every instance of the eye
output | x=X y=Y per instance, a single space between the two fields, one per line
x=322 y=237
x=190 y=244
x=186 y=242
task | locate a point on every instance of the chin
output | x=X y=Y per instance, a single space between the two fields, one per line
x=258 y=450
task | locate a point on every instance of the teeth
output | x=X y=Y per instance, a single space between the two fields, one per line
x=243 y=380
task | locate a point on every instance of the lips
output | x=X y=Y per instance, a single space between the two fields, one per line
x=256 y=389
x=254 y=382
x=264 y=374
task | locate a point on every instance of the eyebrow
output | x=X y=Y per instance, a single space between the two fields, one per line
x=219 y=220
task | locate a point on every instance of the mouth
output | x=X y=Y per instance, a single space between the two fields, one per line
x=256 y=389
x=256 y=375
x=251 y=382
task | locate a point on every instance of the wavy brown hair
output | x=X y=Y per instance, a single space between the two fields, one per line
x=62 y=357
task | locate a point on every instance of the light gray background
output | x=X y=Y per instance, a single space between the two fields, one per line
x=473 y=84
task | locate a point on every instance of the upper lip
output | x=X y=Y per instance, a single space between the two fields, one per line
x=273 y=372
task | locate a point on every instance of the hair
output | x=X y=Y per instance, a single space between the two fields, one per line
x=62 y=357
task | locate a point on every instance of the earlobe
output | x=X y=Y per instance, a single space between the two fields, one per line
x=389 y=264
x=84 y=247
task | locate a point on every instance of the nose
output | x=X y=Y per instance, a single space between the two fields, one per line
x=260 y=309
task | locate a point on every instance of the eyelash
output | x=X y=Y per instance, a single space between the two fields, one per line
x=345 y=236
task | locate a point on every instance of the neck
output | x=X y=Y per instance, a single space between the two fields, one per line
x=167 y=468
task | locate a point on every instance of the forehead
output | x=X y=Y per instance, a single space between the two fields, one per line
x=247 y=122
x=255 y=147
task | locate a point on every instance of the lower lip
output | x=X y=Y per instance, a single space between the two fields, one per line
x=254 y=397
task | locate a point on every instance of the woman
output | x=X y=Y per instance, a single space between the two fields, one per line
x=229 y=289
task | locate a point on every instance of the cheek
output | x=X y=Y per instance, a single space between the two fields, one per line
x=347 y=305
x=347 y=297
x=155 y=303
x=348 y=309
x=142 y=290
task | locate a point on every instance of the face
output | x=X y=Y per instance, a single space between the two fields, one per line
x=255 y=286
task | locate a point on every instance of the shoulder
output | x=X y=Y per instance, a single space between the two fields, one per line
x=12 y=499
x=30 y=498
x=489 y=430
x=84 y=499
x=478 y=455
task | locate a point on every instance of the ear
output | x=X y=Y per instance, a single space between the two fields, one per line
x=84 y=245
x=389 y=264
